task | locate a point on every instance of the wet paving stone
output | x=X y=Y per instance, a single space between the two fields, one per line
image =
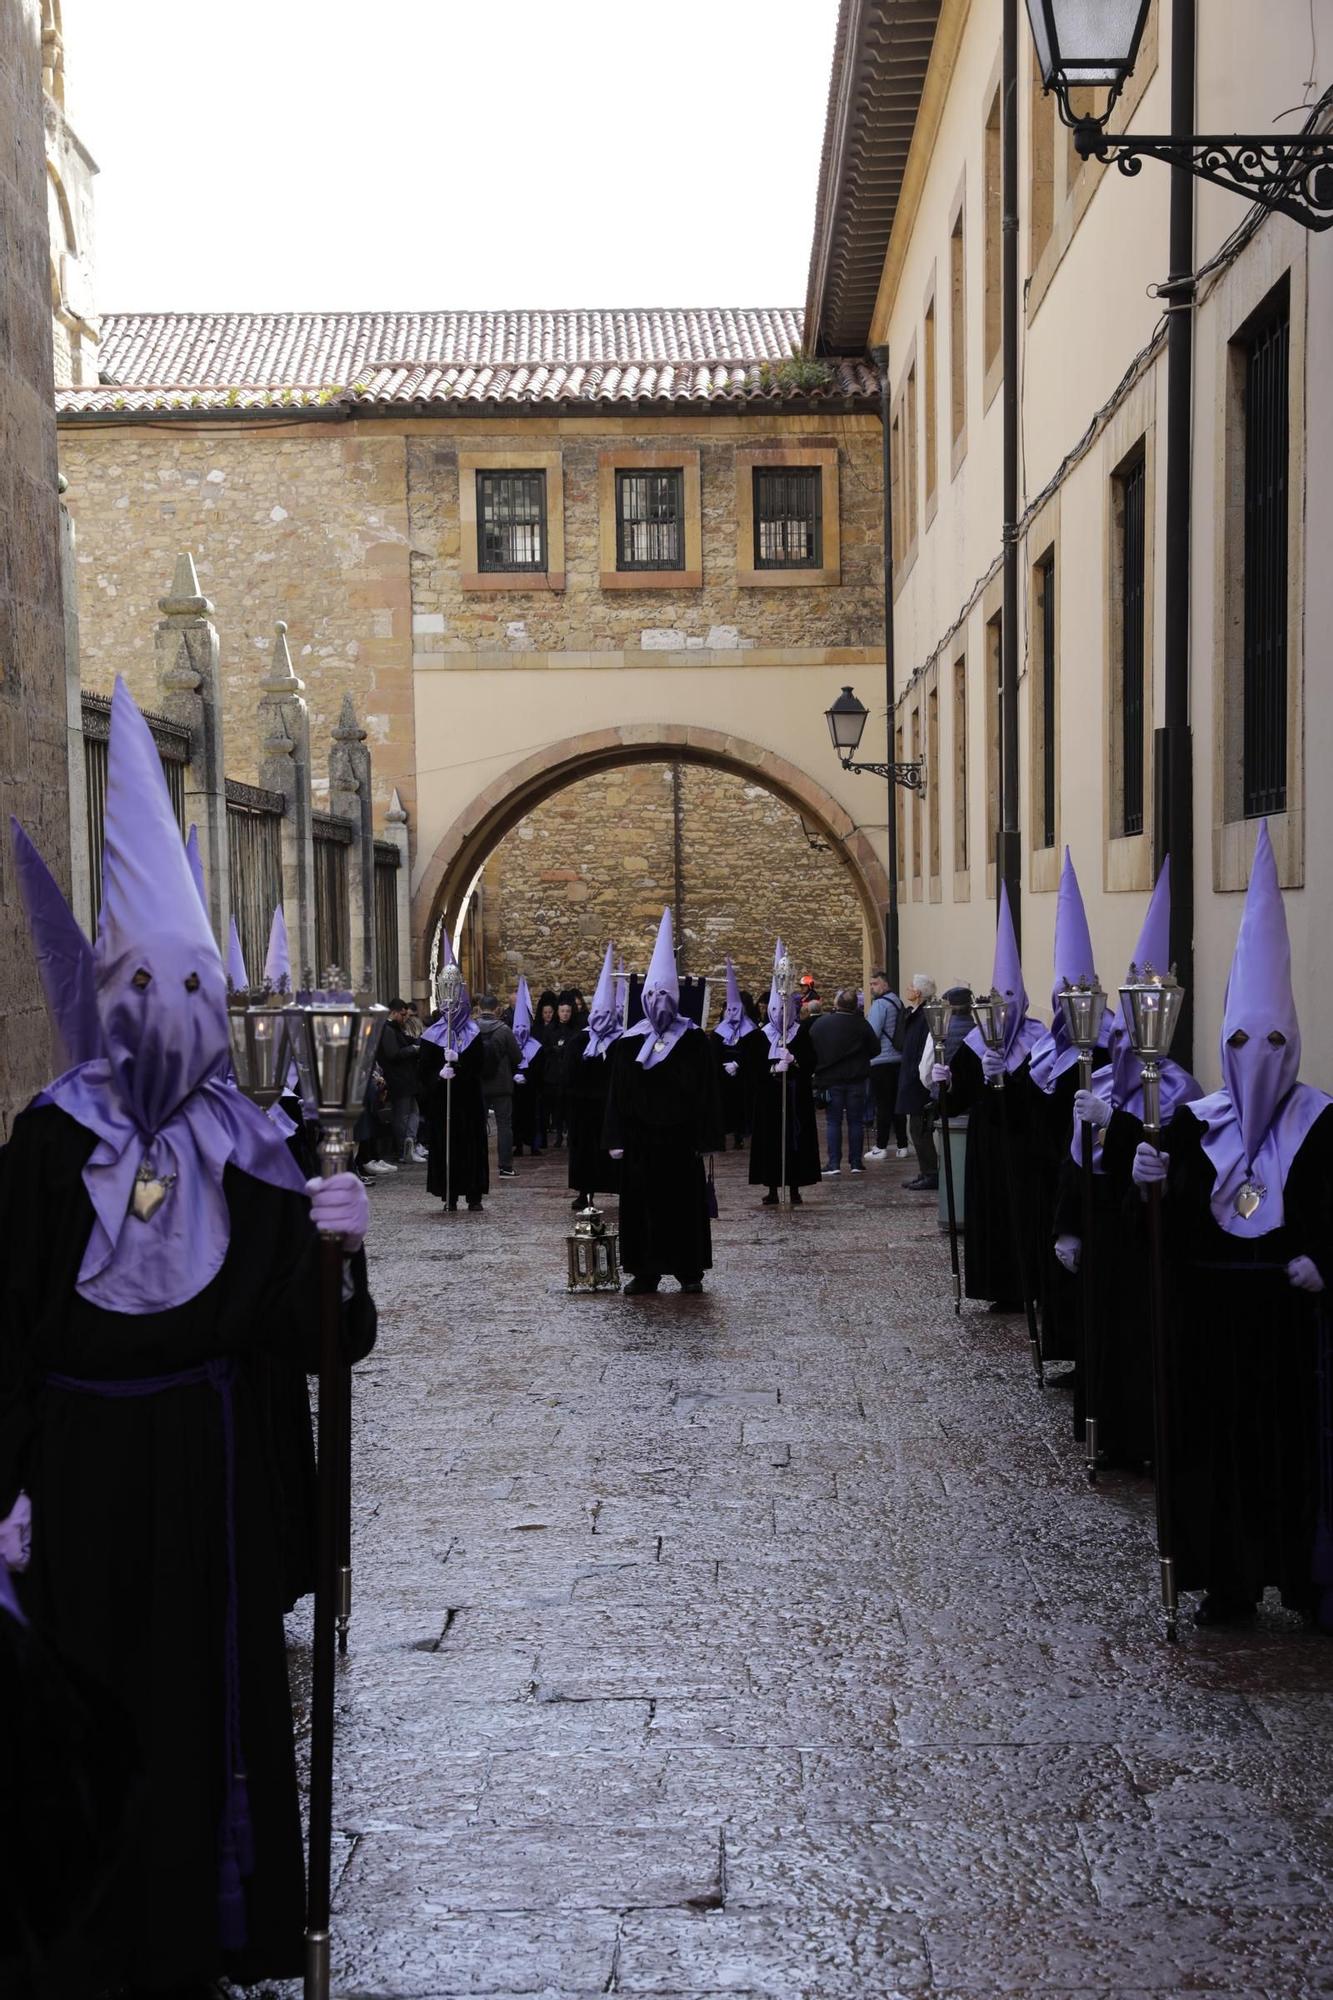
x=772 y=1645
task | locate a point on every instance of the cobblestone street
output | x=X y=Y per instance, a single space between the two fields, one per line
x=770 y=1643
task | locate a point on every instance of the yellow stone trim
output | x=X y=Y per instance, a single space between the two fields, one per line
x=470 y=463
x=614 y=660
x=627 y=460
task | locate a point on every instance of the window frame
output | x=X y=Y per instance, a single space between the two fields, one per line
x=512 y=476
x=473 y=577
x=675 y=475
x=758 y=475
x=682 y=459
x=804 y=458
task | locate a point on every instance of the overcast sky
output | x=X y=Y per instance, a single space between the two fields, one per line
x=431 y=153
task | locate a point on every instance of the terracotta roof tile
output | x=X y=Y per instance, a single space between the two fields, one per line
x=459 y=360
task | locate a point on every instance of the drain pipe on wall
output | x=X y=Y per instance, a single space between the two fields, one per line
x=880 y=357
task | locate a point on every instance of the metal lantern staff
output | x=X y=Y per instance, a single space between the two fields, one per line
x=988 y=1013
x=937 y=1019
x=1150 y=1004
x=450 y=993
x=1083 y=1004
x=784 y=981
x=334 y=1038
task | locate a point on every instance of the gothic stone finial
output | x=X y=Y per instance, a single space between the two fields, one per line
x=348 y=729
x=282 y=677
x=397 y=813
x=185 y=599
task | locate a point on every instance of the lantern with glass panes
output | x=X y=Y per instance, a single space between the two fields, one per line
x=594 y=1254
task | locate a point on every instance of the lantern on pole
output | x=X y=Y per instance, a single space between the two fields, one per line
x=784 y=985
x=989 y=1012
x=988 y=1015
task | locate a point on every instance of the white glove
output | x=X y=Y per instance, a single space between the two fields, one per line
x=992 y=1064
x=339 y=1207
x=783 y=1063
x=732 y=1069
x=1303 y=1273
x=1068 y=1250
x=520 y=1078
x=1093 y=1110
x=616 y=1153
x=448 y=1072
x=1150 y=1167
x=942 y=1075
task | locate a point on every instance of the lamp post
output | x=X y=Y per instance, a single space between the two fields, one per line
x=1150 y=1004
x=333 y=1037
x=1082 y=47
x=1083 y=1004
x=937 y=1020
x=988 y=1014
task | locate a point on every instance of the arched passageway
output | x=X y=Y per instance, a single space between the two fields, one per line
x=462 y=852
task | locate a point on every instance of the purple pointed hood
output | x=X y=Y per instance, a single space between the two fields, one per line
x=157 y=1101
x=735 y=1023
x=238 y=979
x=1055 y=1052
x=64 y=957
x=1021 y=1031
x=663 y=1024
x=603 y=1020
x=1254 y=1125
x=196 y=861
x=457 y=1030
x=1119 y=1083
x=778 y=1030
x=622 y=991
x=278 y=957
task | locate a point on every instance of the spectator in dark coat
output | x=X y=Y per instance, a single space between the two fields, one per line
x=914 y=1098
x=397 y=1057
x=845 y=1044
x=501 y=1060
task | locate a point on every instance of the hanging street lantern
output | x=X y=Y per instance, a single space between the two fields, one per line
x=846 y=721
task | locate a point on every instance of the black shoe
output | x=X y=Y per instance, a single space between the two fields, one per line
x=1215 y=1609
x=796 y=1200
x=1006 y=1306
x=507 y=1174
x=579 y=1203
x=770 y=1199
x=366 y=1180
x=694 y=1285
x=474 y=1207
x=1068 y=1381
x=638 y=1288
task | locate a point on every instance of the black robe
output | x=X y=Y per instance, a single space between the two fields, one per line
x=528 y=1103
x=130 y=1543
x=766 y=1164
x=591 y=1168
x=736 y=1092
x=1249 y=1363
x=455 y=1113
x=999 y=1161
x=664 y=1119
x=1120 y=1395
x=561 y=1046
x=1052 y=1125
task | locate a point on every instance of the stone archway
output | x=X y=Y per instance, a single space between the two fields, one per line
x=498 y=808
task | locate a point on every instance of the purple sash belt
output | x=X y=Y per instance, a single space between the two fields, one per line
x=236 y=1858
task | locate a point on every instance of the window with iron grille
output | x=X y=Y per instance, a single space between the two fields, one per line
x=1133 y=551
x=1266 y=346
x=1046 y=613
x=650 y=519
x=511 y=521
x=788 y=517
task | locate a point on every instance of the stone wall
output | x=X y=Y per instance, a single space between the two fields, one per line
x=304 y=523
x=33 y=768
x=600 y=859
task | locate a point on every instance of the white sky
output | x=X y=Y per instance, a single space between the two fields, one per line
x=430 y=153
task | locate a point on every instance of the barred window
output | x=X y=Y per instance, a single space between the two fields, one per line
x=1133 y=555
x=1266 y=537
x=1046 y=613
x=511 y=521
x=788 y=517
x=650 y=519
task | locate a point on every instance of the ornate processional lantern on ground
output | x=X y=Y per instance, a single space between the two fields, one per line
x=594 y=1254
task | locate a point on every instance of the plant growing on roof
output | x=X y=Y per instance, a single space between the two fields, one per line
x=800 y=370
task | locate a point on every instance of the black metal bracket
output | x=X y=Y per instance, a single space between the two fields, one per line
x=1290 y=174
x=912 y=777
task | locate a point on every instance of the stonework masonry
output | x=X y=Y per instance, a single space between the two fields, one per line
x=33 y=769
x=600 y=859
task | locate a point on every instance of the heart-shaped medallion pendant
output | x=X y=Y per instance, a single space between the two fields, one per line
x=149 y=1193
x=1249 y=1199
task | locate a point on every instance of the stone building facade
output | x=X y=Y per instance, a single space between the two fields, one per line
x=70 y=169
x=345 y=499
x=33 y=750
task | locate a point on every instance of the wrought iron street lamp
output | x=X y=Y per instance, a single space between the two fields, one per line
x=846 y=724
x=1093 y=44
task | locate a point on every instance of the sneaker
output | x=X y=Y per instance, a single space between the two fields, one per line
x=900 y=1153
x=508 y=1174
x=877 y=1153
x=380 y=1167
x=366 y=1180
x=831 y=1173
x=858 y=1170
x=420 y=1155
